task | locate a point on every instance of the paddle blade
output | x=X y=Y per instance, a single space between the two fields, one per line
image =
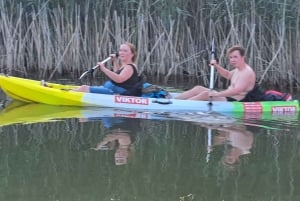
x=90 y=71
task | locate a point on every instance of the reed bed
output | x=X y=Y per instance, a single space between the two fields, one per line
x=55 y=38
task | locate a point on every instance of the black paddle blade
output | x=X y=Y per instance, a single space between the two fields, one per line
x=213 y=51
x=90 y=71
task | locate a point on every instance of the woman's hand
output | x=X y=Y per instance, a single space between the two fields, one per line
x=101 y=66
x=114 y=56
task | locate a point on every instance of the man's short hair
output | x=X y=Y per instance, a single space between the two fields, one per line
x=238 y=48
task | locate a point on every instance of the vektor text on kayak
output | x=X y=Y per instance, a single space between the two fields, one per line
x=131 y=100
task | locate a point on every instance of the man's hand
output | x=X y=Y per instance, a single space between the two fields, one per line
x=213 y=62
x=213 y=93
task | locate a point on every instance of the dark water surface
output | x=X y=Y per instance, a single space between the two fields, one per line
x=123 y=156
x=59 y=154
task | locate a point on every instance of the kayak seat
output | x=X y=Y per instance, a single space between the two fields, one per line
x=154 y=91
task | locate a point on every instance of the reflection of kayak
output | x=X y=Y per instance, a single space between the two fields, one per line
x=231 y=118
x=55 y=94
x=24 y=113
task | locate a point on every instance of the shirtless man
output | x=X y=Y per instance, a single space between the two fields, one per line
x=242 y=80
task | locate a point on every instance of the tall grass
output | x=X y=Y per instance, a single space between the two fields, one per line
x=172 y=37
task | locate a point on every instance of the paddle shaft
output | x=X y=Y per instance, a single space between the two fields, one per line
x=211 y=88
x=209 y=144
x=105 y=60
x=212 y=71
x=92 y=69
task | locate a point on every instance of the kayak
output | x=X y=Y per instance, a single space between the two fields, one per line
x=35 y=91
x=27 y=113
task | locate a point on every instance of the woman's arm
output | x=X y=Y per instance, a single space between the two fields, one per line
x=125 y=74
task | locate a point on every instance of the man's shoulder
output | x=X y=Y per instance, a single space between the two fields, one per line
x=247 y=70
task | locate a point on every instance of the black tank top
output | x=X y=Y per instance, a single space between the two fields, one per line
x=131 y=82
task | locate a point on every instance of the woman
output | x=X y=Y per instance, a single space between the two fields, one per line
x=124 y=78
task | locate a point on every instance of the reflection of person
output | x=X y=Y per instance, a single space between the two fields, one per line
x=238 y=137
x=123 y=79
x=119 y=138
x=242 y=80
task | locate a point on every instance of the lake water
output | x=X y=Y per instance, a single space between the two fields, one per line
x=55 y=154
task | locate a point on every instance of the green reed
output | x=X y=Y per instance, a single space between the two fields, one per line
x=173 y=38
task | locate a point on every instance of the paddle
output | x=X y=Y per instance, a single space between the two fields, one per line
x=212 y=70
x=211 y=87
x=90 y=71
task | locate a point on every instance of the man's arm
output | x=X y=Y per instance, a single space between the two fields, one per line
x=241 y=85
x=222 y=71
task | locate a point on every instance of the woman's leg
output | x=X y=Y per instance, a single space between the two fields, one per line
x=114 y=88
x=118 y=90
x=83 y=88
x=100 y=90
x=94 y=89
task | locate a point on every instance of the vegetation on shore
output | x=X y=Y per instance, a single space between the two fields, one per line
x=172 y=36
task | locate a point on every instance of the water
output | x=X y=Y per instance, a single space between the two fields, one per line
x=70 y=154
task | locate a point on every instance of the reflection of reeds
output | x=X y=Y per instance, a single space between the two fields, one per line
x=172 y=37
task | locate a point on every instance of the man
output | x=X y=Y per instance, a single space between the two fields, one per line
x=242 y=80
